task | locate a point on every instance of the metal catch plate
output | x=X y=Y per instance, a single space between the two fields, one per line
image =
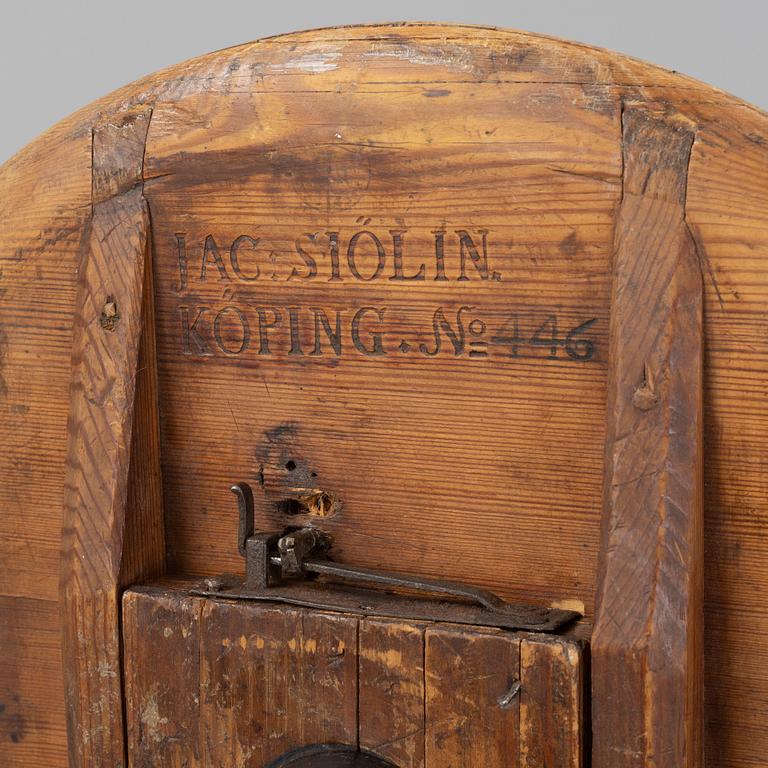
x=330 y=596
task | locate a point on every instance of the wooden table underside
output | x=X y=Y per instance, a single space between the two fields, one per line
x=265 y=212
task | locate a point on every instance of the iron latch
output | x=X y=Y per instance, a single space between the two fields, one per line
x=295 y=566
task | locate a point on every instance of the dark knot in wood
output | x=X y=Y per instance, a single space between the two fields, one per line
x=645 y=396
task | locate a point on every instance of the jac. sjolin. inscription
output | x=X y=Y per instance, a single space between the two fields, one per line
x=227 y=290
x=367 y=257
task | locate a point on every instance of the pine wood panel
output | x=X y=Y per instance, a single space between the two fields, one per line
x=42 y=225
x=32 y=719
x=41 y=231
x=507 y=176
x=728 y=208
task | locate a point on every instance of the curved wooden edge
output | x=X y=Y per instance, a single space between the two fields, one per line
x=647 y=640
x=114 y=296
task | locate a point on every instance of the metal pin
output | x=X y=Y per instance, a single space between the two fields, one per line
x=514 y=691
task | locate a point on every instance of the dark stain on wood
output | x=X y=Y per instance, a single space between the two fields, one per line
x=12 y=723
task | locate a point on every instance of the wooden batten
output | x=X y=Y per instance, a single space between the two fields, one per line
x=646 y=646
x=112 y=434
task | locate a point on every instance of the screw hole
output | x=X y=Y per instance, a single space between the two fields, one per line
x=290 y=466
x=291 y=507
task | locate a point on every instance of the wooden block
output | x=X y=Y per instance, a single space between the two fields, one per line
x=274 y=679
x=472 y=699
x=391 y=691
x=262 y=692
x=552 y=727
x=161 y=636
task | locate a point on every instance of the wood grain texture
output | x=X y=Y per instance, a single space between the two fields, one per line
x=162 y=678
x=391 y=691
x=646 y=645
x=250 y=309
x=144 y=555
x=32 y=725
x=42 y=230
x=472 y=714
x=104 y=363
x=552 y=722
x=274 y=679
x=45 y=199
x=727 y=208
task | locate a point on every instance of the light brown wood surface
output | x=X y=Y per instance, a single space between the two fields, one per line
x=488 y=469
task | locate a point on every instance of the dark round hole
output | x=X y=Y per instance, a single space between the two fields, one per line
x=291 y=507
x=291 y=465
x=330 y=756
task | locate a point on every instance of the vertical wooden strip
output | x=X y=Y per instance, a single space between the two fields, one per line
x=646 y=647
x=275 y=679
x=472 y=701
x=107 y=333
x=551 y=704
x=161 y=631
x=391 y=695
x=144 y=539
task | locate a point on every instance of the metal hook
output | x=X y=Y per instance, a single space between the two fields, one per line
x=245 y=508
